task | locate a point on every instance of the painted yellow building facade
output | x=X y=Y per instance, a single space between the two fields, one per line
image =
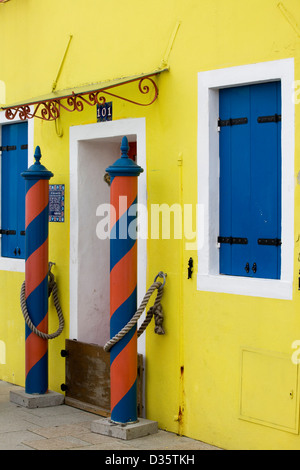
x=226 y=371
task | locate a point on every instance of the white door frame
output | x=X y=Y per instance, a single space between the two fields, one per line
x=90 y=132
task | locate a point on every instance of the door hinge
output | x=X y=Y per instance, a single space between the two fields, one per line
x=274 y=118
x=233 y=240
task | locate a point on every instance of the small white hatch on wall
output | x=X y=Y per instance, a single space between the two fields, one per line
x=269 y=390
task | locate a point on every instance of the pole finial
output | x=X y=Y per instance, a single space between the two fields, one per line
x=37 y=170
x=37 y=155
x=124 y=166
x=124 y=147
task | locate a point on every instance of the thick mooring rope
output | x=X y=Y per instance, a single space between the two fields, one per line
x=155 y=310
x=52 y=289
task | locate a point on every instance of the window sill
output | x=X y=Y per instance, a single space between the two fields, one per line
x=14 y=265
x=254 y=287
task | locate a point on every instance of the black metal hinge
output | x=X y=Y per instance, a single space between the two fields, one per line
x=232 y=122
x=7 y=148
x=233 y=240
x=269 y=241
x=7 y=232
x=274 y=118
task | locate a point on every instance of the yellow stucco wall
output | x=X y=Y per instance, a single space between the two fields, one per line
x=193 y=373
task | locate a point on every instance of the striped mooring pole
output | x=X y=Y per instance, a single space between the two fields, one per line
x=123 y=285
x=36 y=274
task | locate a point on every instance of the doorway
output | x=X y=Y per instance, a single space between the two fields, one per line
x=94 y=252
x=93 y=148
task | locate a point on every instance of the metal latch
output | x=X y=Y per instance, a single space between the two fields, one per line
x=190 y=268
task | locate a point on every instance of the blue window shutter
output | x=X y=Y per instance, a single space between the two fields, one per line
x=266 y=179
x=9 y=207
x=250 y=180
x=22 y=166
x=14 y=161
x=225 y=185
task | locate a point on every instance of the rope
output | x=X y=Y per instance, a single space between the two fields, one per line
x=156 y=311
x=52 y=289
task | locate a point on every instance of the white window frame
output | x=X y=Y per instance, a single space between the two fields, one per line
x=11 y=264
x=209 y=83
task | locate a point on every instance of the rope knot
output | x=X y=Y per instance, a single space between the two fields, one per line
x=51 y=278
x=52 y=289
x=158 y=313
x=156 y=310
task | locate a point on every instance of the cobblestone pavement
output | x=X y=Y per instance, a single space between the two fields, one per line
x=67 y=428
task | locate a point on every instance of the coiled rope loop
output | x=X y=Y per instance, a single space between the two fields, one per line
x=52 y=289
x=156 y=311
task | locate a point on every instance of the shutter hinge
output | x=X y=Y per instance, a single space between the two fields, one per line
x=274 y=118
x=269 y=241
x=233 y=240
x=7 y=148
x=232 y=122
x=7 y=232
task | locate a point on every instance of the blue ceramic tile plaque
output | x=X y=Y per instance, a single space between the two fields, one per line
x=104 y=112
x=56 y=203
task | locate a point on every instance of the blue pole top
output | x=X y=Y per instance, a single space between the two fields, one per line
x=37 y=170
x=124 y=166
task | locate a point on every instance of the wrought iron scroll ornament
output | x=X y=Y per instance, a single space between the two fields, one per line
x=49 y=110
